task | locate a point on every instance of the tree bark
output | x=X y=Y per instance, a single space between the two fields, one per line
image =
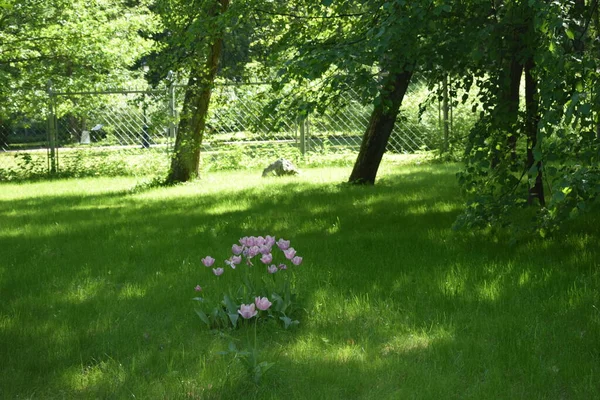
x=507 y=110
x=186 y=154
x=380 y=128
x=531 y=127
x=445 y=107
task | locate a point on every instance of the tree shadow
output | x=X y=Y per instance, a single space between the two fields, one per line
x=102 y=281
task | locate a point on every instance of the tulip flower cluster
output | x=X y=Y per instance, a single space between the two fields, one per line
x=258 y=255
x=250 y=247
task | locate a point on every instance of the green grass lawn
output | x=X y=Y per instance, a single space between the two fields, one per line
x=97 y=281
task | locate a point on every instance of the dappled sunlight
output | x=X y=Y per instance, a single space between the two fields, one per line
x=490 y=290
x=7 y=322
x=98 y=375
x=100 y=287
x=321 y=349
x=65 y=187
x=131 y=291
x=454 y=282
x=417 y=341
x=437 y=207
x=85 y=290
x=524 y=278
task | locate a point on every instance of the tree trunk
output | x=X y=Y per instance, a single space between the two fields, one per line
x=186 y=155
x=597 y=24
x=531 y=127
x=507 y=110
x=378 y=131
x=446 y=108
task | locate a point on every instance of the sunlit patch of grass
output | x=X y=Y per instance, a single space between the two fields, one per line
x=96 y=281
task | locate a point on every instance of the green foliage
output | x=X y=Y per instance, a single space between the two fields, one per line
x=76 y=44
x=246 y=276
x=81 y=163
x=554 y=136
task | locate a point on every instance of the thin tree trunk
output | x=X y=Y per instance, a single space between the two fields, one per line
x=595 y=9
x=531 y=126
x=378 y=131
x=186 y=155
x=597 y=23
x=516 y=71
x=446 y=107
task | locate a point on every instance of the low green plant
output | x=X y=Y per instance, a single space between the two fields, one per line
x=260 y=292
x=251 y=357
x=240 y=281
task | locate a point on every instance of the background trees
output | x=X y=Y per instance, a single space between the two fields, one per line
x=529 y=67
x=77 y=44
x=535 y=142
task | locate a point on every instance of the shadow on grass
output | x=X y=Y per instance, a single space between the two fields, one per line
x=96 y=297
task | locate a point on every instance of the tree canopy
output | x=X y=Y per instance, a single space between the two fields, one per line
x=529 y=67
x=78 y=45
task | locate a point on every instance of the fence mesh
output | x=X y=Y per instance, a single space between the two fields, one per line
x=125 y=132
x=23 y=148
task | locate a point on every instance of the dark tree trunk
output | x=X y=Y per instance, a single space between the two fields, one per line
x=596 y=20
x=531 y=127
x=379 y=130
x=516 y=71
x=446 y=108
x=186 y=155
x=507 y=111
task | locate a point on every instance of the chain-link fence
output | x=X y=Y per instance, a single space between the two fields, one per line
x=132 y=131
x=237 y=117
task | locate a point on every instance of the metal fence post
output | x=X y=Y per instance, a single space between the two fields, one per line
x=52 y=145
x=306 y=134
x=302 y=128
x=172 y=111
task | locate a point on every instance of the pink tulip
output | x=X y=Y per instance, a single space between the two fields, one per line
x=262 y=303
x=264 y=249
x=247 y=311
x=282 y=267
x=252 y=251
x=266 y=258
x=297 y=260
x=283 y=244
x=244 y=241
x=236 y=260
x=272 y=269
x=198 y=288
x=289 y=253
x=230 y=263
x=260 y=241
x=237 y=250
x=269 y=241
x=208 y=261
x=250 y=241
x=218 y=271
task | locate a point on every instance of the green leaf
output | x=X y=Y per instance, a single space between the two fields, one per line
x=232 y=347
x=326 y=3
x=287 y=321
x=585 y=109
x=279 y=303
x=231 y=306
x=233 y=318
x=570 y=33
x=557 y=197
x=203 y=317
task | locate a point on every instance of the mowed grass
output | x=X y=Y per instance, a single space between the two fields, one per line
x=96 y=282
